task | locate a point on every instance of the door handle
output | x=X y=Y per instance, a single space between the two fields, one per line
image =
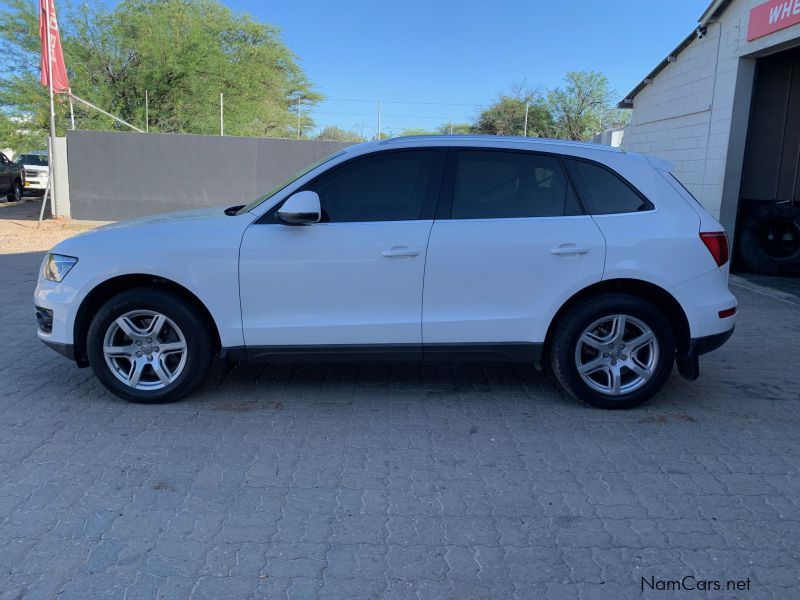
x=400 y=251
x=568 y=249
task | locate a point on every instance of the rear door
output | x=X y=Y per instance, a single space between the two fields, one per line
x=510 y=244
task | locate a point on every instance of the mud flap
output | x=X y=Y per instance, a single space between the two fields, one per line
x=689 y=366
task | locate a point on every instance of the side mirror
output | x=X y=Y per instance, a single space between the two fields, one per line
x=301 y=208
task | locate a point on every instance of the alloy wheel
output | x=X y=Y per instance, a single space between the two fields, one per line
x=145 y=350
x=616 y=355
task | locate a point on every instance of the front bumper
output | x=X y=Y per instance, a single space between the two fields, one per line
x=35 y=183
x=67 y=350
x=55 y=305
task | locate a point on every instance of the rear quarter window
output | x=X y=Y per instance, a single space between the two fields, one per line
x=678 y=185
x=603 y=191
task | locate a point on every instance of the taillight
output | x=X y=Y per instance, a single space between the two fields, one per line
x=717 y=244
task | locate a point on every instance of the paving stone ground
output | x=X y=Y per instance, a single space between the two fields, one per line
x=397 y=482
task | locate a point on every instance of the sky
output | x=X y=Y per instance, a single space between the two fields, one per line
x=428 y=59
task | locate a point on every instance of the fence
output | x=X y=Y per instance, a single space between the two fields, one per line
x=116 y=176
x=365 y=118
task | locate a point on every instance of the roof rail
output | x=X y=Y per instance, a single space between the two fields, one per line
x=501 y=138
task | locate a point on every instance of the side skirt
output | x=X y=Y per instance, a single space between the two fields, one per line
x=514 y=352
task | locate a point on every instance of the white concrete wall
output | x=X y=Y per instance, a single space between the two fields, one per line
x=610 y=137
x=684 y=115
x=62 y=203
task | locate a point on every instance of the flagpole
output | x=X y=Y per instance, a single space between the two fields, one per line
x=51 y=156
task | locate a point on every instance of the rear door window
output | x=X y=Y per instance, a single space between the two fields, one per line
x=503 y=185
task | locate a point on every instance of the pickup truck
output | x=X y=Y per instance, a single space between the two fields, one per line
x=36 y=171
x=12 y=179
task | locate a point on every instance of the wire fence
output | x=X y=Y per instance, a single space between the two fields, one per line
x=363 y=118
x=374 y=117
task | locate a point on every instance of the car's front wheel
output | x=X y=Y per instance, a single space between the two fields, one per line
x=612 y=351
x=149 y=346
x=15 y=195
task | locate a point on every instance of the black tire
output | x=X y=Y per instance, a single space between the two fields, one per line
x=198 y=342
x=769 y=240
x=571 y=326
x=15 y=195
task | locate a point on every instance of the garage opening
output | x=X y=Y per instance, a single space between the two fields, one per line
x=768 y=222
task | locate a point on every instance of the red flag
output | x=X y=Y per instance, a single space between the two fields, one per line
x=60 y=81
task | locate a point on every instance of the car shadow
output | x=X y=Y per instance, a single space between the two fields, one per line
x=257 y=386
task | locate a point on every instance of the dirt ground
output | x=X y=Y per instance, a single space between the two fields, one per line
x=21 y=232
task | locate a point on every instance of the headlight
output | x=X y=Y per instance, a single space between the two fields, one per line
x=56 y=266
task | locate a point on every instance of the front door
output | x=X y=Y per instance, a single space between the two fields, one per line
x=514 y=245
x=354 y=280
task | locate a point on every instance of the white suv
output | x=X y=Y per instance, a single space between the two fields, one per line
x=589 y=261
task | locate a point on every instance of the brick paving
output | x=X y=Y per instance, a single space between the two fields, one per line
x=405 y=481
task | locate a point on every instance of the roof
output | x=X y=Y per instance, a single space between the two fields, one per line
x=711 y=12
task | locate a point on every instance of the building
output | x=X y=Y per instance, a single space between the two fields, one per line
x=724 y=108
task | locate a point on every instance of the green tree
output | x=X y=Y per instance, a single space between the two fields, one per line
x=506 y=115
x=183 y=52
x=456 y=128
x=337 y=134
x=14 y=135
x=417 y=131
x=584 y=106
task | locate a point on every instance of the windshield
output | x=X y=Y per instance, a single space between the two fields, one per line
x=288 y=182
x=35 y=160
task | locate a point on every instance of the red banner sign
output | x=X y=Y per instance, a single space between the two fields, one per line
x=55 y=55
x=772 y=16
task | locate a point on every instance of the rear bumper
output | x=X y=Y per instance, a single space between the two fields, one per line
x=702 y=299
x=709 y=343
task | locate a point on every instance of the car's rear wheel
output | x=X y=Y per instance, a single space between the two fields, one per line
x=612 y=351
x=149 y=346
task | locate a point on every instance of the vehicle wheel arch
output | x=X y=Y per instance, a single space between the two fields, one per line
x=105 y=290
x=645 y=290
